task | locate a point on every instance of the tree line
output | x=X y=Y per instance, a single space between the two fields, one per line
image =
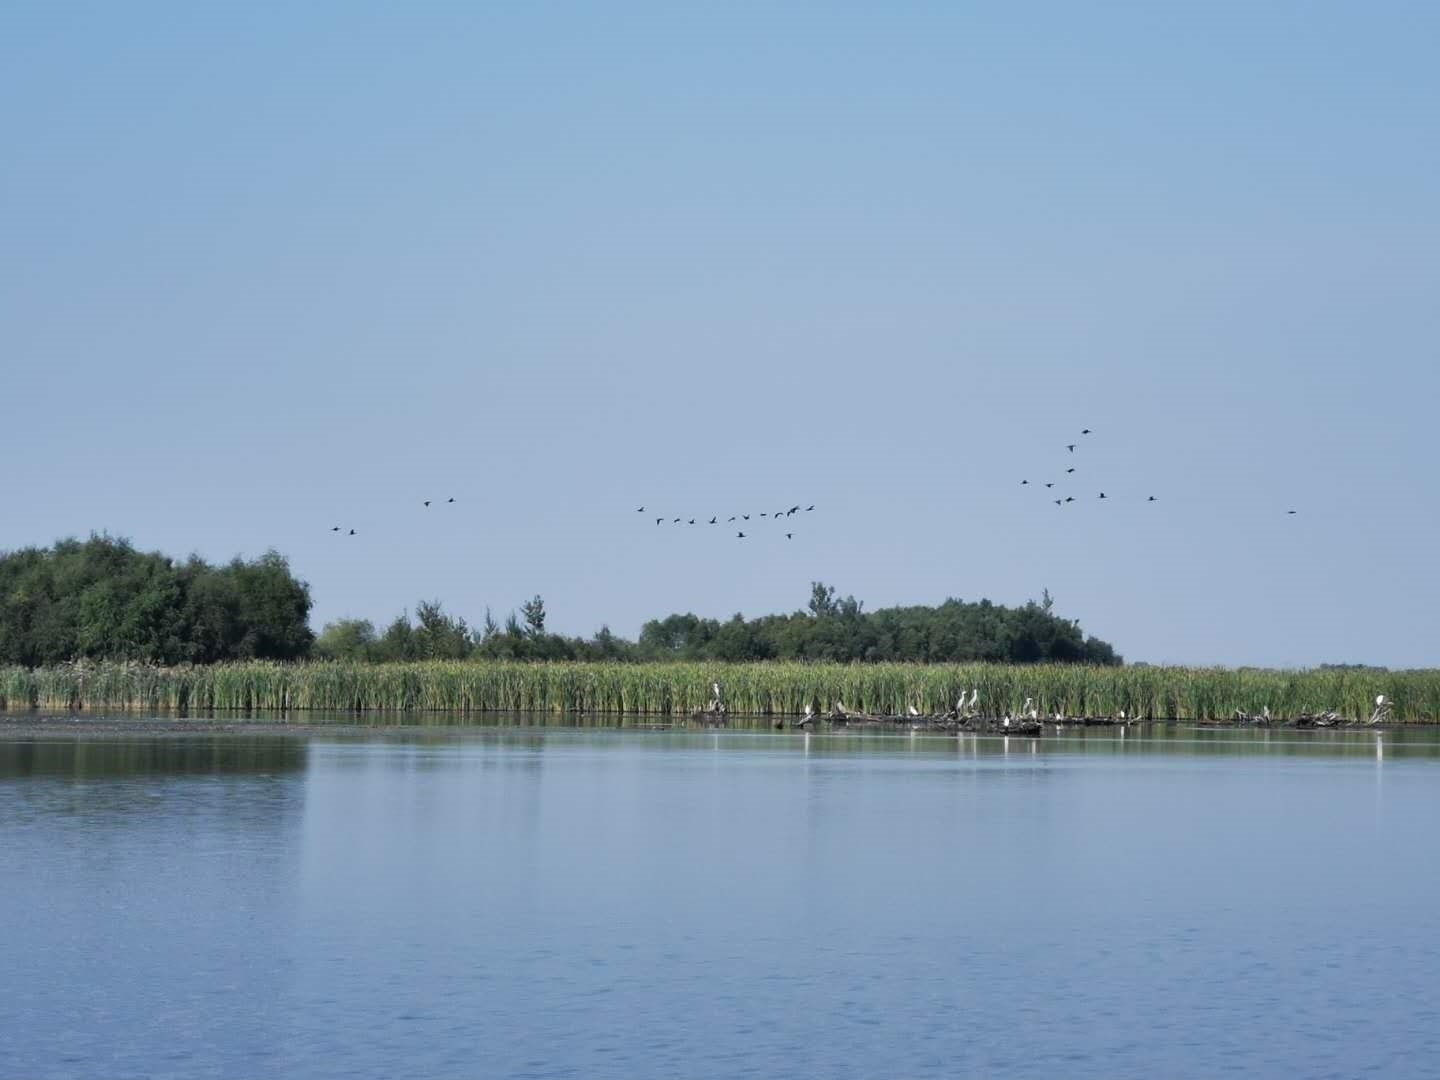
x=831 y=628
x=102 y=599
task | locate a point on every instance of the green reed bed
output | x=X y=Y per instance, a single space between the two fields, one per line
x=762 y=689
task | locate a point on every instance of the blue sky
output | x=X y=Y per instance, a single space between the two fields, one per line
x=270 y=270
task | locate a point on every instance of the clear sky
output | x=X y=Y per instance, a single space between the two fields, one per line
x=269 y=268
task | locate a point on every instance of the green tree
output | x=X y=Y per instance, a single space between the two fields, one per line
x=346 y=639
x=100 y=598
x=533 y=612
x=440 y=637
x=398 y=641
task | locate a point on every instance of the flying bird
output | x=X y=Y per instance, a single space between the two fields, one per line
x=1049 y=485
x=1102 y=494
x=789 y=536
x=791 y=510
x=692 y=521
x=659 y=520
x=1085 y=432
x=335 y=528
x=1024 y=482
x=1069 y=498
x=712 y=521
x=740 y=536
x=1071 y=469
x=1070 y=447
x=745 y=516
x=1290 y=511
x=675 y=522
x=452 y=499
x=1150 y=499
x=1059 y=501
x=730 y=518
x=352 y=531
x=809 y=508
x=427 y=502
x=640 y=511
x=762 y=514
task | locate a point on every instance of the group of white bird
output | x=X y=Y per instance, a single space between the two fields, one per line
x=965 y=709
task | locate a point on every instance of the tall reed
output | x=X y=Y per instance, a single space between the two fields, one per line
x=762 y=689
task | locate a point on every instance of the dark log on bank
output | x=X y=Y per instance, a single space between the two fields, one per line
x=714 y=716
x=941 y=723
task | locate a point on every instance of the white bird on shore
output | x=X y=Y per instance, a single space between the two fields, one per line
x=1382 y=710
x=1029 y=710
x=912 y=711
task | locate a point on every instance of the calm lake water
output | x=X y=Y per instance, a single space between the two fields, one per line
x=554 y=903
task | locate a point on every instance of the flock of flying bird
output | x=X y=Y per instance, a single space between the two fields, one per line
x=786 y=515
x=341 y=528
x=1050 y=485
x=740 y=535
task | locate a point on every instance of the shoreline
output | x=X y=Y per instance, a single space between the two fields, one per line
x=18 y=725
x=673 y=690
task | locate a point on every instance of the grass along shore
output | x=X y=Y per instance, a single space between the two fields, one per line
x=677 y=689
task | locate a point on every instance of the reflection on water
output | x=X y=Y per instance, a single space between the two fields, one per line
x=262 y=752
x=94 y=759
x=545 y=901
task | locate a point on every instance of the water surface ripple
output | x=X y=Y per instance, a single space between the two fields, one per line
x=555 y=903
